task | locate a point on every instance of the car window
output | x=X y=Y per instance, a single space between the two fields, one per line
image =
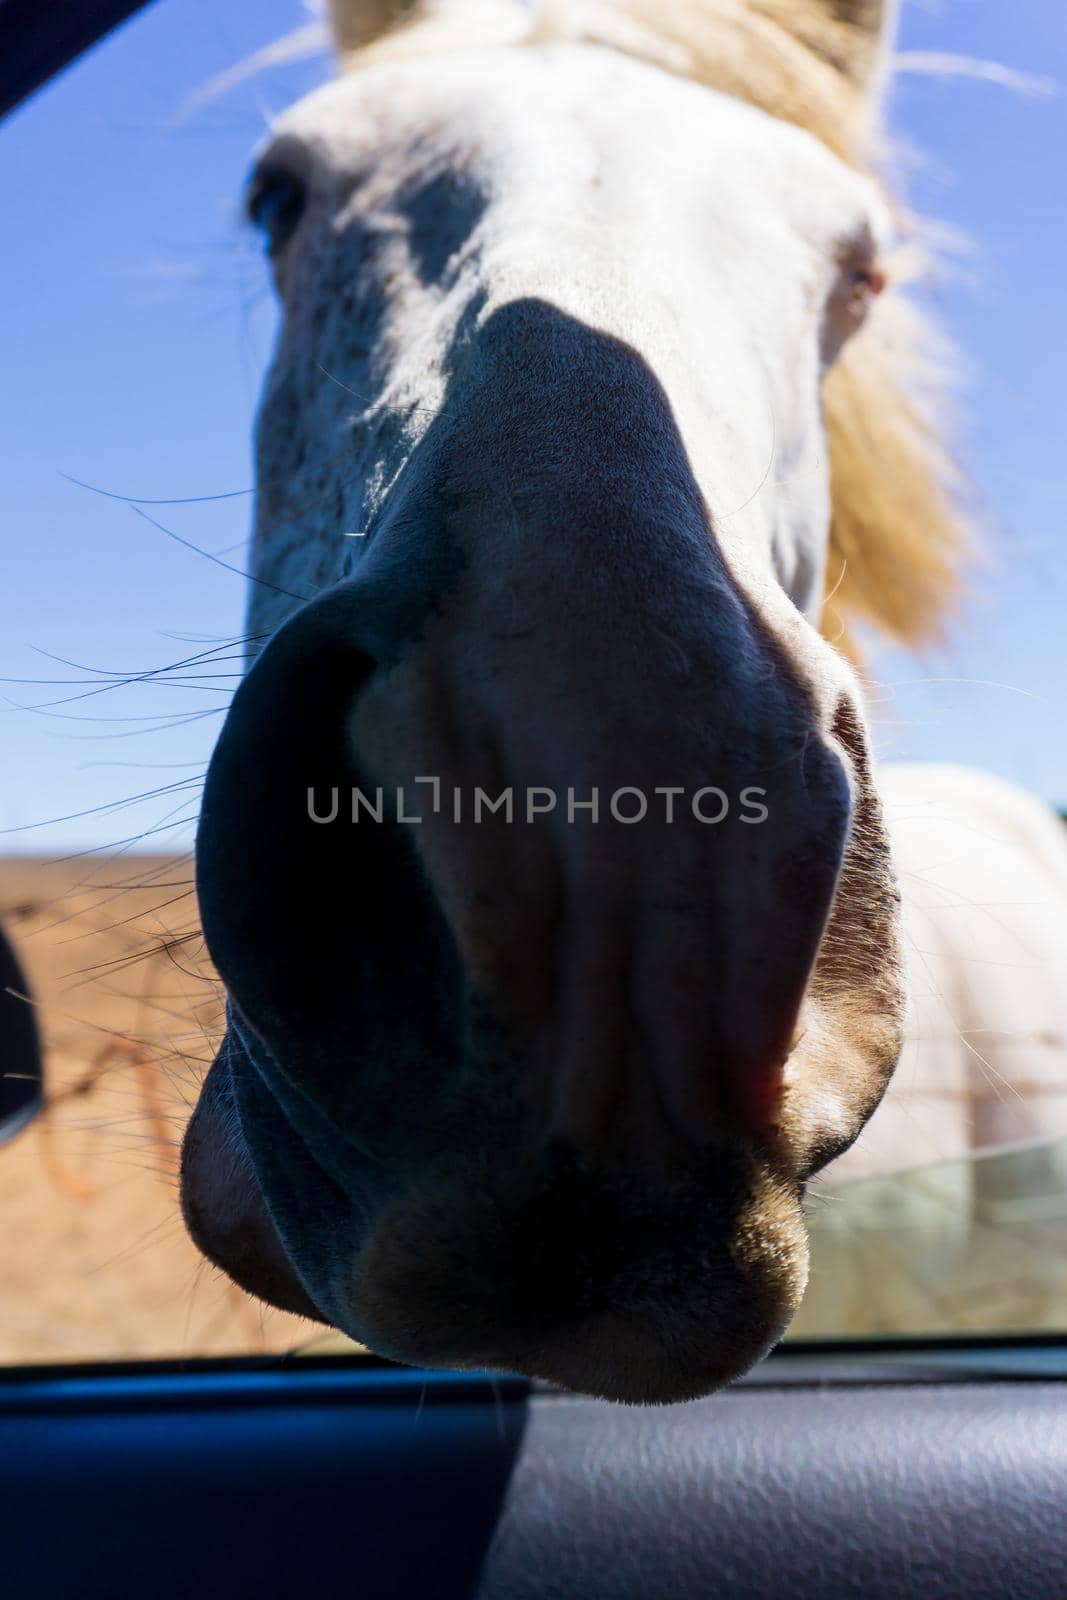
x=971 y=1246
x=138 y=325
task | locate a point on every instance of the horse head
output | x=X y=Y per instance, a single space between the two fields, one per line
x=541 y=852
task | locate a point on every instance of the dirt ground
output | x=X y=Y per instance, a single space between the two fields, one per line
x=94 y=1261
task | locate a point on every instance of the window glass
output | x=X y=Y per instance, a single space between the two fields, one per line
x=138 y=324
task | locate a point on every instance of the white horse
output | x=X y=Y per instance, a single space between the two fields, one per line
x=587 y=393
x=983 y=870
x=919 y=1236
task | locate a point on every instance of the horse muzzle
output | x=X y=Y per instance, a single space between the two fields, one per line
x=533 y=891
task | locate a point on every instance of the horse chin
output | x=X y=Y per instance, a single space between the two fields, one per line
x=224 y=1206
x=621 y=1287
x=594 y=1283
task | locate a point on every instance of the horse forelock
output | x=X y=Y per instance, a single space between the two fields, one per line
x=898 y=535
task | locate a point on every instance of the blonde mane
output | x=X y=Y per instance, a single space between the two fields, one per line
x=897 y=537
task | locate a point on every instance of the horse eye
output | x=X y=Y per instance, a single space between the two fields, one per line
x=275 y=205
x=860 y=279
x=868 y=280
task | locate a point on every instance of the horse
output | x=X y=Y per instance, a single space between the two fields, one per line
x=983 y=869
x=543 y=855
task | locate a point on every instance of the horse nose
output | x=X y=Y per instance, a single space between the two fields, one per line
x=646 y=917
x=315 y=930
x=650 y=968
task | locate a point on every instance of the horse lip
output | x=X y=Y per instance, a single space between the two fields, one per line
x=232 y=1223
x=276 y=1147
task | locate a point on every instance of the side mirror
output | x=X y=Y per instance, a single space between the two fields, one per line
x=21 y=1073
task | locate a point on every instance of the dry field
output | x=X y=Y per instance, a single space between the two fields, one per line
x=94 y=1262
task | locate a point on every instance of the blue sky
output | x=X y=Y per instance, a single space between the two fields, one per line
x=138 y=322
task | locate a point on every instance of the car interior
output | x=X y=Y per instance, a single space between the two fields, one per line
x=928 y=1459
